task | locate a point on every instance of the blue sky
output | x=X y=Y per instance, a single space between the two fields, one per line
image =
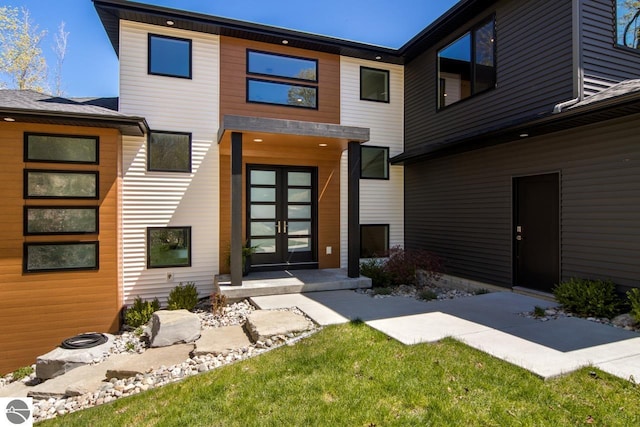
x=91 y=66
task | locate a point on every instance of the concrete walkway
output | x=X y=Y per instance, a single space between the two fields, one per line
x=488 y=322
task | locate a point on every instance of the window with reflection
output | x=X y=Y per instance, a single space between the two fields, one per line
x=289 y=67
x=467 y=66
x=169 y=56
x=628 y=23
x=374 y=162
x=279 y=93
x=374 y=84
x=374 y=240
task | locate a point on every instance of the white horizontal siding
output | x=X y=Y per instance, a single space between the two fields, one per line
x=381 y=201
x=152 y=199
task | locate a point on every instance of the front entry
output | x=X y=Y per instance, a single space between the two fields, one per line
x=536 y=233
x=282 y=216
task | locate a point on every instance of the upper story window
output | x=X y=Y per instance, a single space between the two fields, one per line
x=628 y=23
x=169 y=56
x=374 y=84
x=296 y=84
x=467 y=66
x=374 y=162
x=169 y=151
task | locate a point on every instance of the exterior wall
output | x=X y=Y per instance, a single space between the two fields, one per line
x=530 y=80
x=381 y=201
x=39 y=310
x=233 y=86
x=460 y=206
x=604 y=63
x=170 y=199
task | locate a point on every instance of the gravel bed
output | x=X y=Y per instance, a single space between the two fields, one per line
x=418 y=293
x=623 y=321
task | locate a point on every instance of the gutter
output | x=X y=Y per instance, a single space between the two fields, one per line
x=559 y=107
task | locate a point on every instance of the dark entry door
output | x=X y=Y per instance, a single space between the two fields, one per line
x=281 y=216
x=536 y=234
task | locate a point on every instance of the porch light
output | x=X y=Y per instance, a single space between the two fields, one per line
x=285 y=41
x=524 y=135
x=258 y=140
x=378 y=58
x=170 y=22
x=9 y=119
x=322 y=145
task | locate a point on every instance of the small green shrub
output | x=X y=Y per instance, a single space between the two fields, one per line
x=140 y=312
x=403 y=264
x=23 y=372
x=183 y=297
x=585 y=298
x=382 y=291
x=427 y=295
x=375 y=270
x=481 y=291
x=129 y=346
x=634 y=301
x=539 y=311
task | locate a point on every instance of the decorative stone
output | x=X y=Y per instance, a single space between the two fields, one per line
x=170 y=327
x=624 y=321
x=263 y=324
x=61 y=360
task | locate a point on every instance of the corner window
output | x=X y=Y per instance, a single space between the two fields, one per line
x=374 y=240
x=374 y=84
x=168 y=247
x=169 y=56
x=169 y=151
x=374 y=162
x=467 y=66
x=628 y=23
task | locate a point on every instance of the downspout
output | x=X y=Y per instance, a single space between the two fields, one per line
x=578 y=72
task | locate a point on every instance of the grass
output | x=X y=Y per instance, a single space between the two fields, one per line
x=353 y=375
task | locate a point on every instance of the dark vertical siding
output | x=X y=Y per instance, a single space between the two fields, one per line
x=460 y=206
x=603 y=63
x=534 y=72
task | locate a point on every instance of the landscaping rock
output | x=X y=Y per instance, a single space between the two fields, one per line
x=624 y=321
x=220 y=340
x=60 y=360
x=263 y=324
x=170 y=327
x=134 y=364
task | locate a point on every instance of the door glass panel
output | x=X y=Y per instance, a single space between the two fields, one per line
x=299 y=244
x=264 y=246
x=263 y=194
x=263 y=211
x=298 y=228
x=263 y=228
x=299 y=212
x=263 y=177
x=300 y=195
x=299 y=178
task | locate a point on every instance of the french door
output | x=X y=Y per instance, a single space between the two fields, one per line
x=281 y=216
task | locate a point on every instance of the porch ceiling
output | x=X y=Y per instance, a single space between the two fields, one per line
x=283 y=133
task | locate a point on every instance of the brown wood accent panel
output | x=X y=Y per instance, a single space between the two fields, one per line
x=39 y=310
x=326 y=159
x=233 y=76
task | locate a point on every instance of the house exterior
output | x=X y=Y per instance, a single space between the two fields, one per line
x=503 y=138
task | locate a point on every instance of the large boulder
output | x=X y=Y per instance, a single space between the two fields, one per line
x=61 y=360
x=264 y=324
x=170 y=327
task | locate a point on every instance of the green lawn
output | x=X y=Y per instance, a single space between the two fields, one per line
x=352 y=375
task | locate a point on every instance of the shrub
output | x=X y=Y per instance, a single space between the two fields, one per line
x=403 y=264
x=583 y=297
x=634 y=300
x=20 y=373
x=375 y=270
x=382 y=291
x=140 y=312
x=427 y=295
x=183 y=297
x=539 y=311
x=218 y=302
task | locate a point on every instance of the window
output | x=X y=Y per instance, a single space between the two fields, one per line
x=467 y=66
x=169 y=56
x=374 y=84
x=169 y=151
x=57 y=184
x=41 y=257
x=288 y=93
x=628 y=23
x=374 y=162
x=60 y=220
x=60 y=148
x=168 y=247
x=374 y=241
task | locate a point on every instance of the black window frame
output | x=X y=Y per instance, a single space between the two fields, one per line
x=616 y=41
x=95 y=174
x=152 y=168
x=388 y=168
x=363 y=98
x=387 y=239
x=27 y=245
x=283 y=83
x=188 y=233
x=249 y=72
x=150 y=36
x=26 y=231
x=472 y=32
x=27 y=158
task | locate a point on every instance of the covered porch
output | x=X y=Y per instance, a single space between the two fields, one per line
x=279 y=150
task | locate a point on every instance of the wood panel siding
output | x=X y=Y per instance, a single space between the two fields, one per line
x=157 y=199
x=39 y=310
x=381 y=201
x=326 y=159
x=460 y=206
x=603 y=62
x=233 y=83
x=534 y=72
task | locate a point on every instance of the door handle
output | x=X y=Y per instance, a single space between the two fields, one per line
x=286 y=226
x=518 y=237
x=278 y=224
